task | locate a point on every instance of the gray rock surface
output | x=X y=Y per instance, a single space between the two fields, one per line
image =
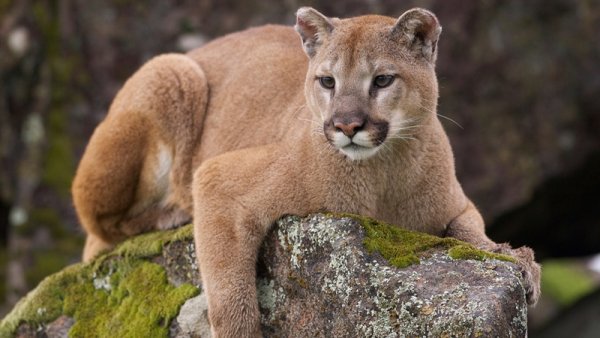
x=316 y=279
x=192 y=320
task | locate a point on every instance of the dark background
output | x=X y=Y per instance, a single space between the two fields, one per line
x=521 y=78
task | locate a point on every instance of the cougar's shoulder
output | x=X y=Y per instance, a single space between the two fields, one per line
x=256 y=80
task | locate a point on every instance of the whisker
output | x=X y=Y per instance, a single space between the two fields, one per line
x=299 y=107
x=407 y=126
x=402 y=137
x=440 y=115
x=387 y=149
x=397 y=129
x=303 y=119
x=451 y=120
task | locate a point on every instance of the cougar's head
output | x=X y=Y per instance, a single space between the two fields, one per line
x=371 y=79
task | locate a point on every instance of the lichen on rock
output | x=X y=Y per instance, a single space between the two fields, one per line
x=352 y=284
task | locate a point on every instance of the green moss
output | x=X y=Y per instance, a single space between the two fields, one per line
x=465 y=251
x=565 y=281
x=151 y=243
x=403 y=247
x=399 y=246
x=128 y=297
x=44 y=303
x=141 y=304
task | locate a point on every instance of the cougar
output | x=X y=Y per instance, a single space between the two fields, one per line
x=263 y=123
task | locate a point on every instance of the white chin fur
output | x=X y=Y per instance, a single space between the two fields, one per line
x=356 y=153
x=359 y=150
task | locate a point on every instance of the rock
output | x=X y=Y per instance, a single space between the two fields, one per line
x=324 y=275
x=192 y=320
x=321 y=281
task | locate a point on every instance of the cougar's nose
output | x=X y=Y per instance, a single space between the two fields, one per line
x=349 y=125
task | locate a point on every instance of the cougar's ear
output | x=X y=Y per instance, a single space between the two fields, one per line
x=420 y=29
x=313 y=28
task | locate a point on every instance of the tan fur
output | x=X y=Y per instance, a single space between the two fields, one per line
x=136 y=171
x=265 y=139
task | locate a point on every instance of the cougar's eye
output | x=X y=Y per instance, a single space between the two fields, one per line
x=327 y=82
x=382 y=81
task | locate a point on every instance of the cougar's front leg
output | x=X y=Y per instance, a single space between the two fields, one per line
x=237 y=196
x=469 y=227
x=227 y=243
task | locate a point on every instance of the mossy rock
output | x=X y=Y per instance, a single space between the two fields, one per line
x=122 y=293
x=343 y=270
x=403 y=247
x=341 y=275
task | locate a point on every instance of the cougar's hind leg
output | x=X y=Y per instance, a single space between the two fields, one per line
x=93 y=246
x=181 y=124
x=137 y=166
x=105 y=184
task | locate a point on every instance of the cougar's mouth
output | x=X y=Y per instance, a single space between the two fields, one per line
x=360 y=145
x=357 y=152
x=357 y=147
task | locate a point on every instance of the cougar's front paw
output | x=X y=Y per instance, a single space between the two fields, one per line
x=530 y=270
x=235 y=319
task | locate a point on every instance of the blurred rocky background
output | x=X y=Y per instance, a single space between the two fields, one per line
x=520 y=79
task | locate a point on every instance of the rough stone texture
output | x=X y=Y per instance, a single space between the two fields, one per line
x=321 y=282
x=58 y=328
x=192 y=321
x=316 y=279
